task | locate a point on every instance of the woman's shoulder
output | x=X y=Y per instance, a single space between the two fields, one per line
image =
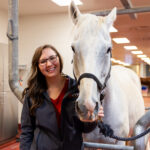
x=72 y=81
x=72 y=90
x=27 y=99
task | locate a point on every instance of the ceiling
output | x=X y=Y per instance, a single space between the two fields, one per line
x=137 y=30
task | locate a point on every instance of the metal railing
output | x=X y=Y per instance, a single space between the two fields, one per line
x=106 y=146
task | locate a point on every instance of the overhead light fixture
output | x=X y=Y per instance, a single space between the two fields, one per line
x=148 y=61
x=141 y=56
x=113 y=29
x=119 y=62
x=121 y=40
x=126 y=64
x=112 y=59
x=145 y=58
x=136 y=52
x=130 y=47
x=66 y=2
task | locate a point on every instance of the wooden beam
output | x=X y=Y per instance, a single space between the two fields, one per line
x=124 y=11
x=127 y=5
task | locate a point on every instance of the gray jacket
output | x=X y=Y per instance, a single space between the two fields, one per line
x=41 y=132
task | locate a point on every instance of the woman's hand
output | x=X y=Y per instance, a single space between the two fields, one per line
x=101 y=112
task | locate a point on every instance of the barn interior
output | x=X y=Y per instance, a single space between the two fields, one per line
x=43 y=21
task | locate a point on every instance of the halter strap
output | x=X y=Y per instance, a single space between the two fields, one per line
x=91 y=76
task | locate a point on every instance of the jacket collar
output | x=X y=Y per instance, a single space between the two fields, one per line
x=71 y=83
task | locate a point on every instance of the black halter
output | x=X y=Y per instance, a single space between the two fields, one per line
x=92 y=76
x=89 y=75
x=100 y=86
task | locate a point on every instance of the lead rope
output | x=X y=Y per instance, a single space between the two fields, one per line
x=106 y=130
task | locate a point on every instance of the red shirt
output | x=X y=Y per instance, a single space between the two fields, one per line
x=57 y=102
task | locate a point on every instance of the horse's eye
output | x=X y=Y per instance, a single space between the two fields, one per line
x=109 y=50
x=73 y=48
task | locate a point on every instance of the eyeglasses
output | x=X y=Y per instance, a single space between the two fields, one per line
x=52 y=59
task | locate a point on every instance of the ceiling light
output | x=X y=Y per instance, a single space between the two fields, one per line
x=136 y=52
x=145 y=58
x=141 y=56
x=113 y=29
x=130 y=47
x=121 y=40
x=119 y=62
x=148 y=61
x=66 y=2
x=126 y=64
x=112 y=59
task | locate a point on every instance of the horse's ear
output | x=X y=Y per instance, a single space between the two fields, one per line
x=111 y=17
x=74 y=12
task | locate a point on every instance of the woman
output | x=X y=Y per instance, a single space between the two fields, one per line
x=48 y=120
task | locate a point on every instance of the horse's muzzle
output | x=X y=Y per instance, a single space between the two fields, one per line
x=85 y=114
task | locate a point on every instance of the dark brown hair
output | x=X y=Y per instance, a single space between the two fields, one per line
x=36 y=83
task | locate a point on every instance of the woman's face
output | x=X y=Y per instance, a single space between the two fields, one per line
x=49 y=64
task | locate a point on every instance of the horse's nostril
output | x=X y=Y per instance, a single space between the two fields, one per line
x=77 y=107
x=81 y=109
x=96 y=108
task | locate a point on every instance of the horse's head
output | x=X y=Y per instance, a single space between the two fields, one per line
x=92 y=54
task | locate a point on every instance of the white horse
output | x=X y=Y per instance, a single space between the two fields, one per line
x=123 y=103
